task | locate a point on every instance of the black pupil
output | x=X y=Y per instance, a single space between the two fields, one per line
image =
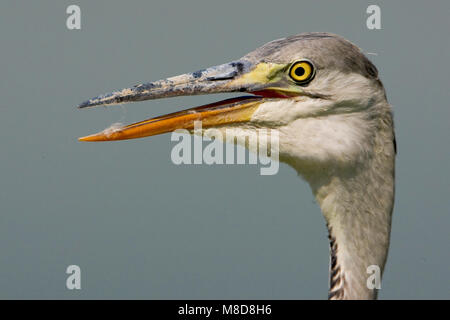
x=299 y=71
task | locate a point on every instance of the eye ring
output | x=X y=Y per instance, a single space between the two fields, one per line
x=302 y=71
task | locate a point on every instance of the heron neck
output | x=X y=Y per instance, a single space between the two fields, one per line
x=357 y=204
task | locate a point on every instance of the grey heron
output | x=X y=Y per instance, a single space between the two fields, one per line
x=335 y=126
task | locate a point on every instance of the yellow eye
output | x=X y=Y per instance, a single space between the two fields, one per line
x=302 y=71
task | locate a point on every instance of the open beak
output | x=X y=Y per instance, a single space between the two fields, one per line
x=237 y=76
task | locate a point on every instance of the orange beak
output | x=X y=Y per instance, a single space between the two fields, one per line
x=212 y=115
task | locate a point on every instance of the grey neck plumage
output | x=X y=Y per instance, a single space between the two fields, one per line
x=357 y=204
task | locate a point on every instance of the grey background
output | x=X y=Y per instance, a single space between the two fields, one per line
x=141 y=227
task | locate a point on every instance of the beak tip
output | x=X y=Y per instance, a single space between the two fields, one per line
x=84 y=104
x=90 y=138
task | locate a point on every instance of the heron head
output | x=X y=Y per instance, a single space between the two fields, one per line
x=318 y=89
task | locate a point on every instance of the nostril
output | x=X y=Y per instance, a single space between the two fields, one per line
x=229 y=76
